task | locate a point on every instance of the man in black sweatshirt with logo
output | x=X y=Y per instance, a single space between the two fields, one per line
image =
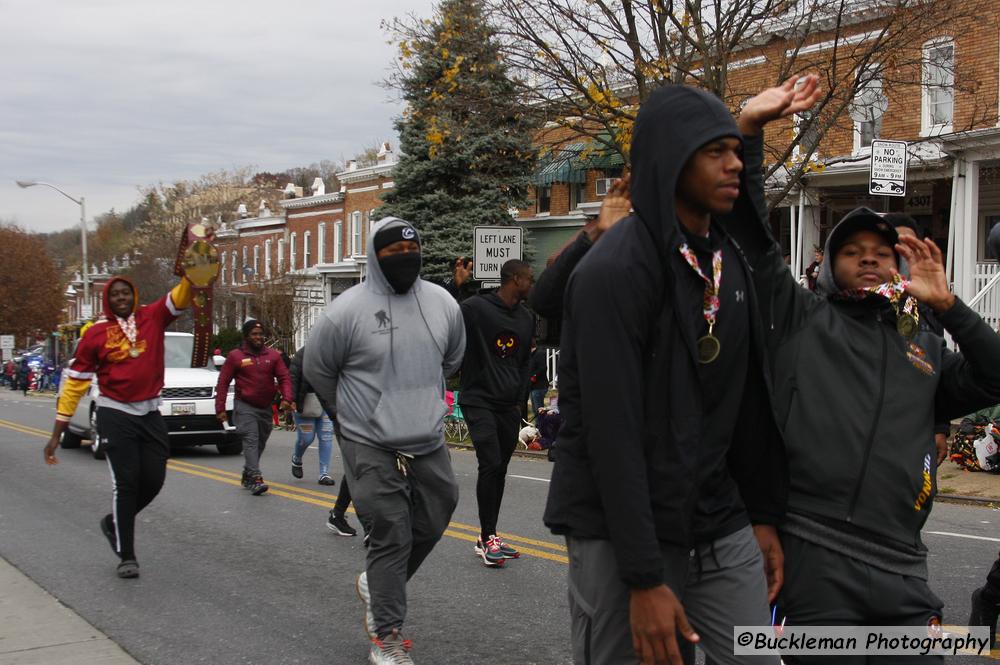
x=669 y=451
x=499 y=331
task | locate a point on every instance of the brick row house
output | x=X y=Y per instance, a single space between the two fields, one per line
x=953 y=185
x=313 y=247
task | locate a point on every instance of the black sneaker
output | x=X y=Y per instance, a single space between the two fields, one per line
x=257 y=485
x=327 y=480
x=338 y=524
x=128 y=569
x=984 y=613
x=245 y=480
x=108 y=529
x=296 y=468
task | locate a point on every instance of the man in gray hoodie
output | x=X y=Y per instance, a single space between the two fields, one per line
x=380 y=353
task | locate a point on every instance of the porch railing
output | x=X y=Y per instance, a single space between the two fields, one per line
x=987 y=299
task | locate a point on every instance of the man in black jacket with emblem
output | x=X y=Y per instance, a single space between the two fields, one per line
x=662 y=359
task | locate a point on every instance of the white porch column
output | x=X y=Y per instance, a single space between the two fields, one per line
x=970 y=230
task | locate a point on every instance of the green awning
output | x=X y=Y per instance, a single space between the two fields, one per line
x=560 y=166
x=600 y=153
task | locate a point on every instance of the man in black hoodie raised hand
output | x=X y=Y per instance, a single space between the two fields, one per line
x=669 y=450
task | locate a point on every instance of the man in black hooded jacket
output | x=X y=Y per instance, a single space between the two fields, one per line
x=661 y=356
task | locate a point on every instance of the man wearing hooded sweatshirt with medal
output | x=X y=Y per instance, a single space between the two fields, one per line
x=858 y=387
x=380 y=354
x=662 y=360
x=125 y=352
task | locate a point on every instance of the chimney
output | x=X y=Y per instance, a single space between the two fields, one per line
x=242 y=211
x=384 y=153
x=289 y=191
x=318 y=187
x=352 y=165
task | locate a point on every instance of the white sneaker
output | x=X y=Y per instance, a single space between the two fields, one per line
x=362 y=588
x=390 y=650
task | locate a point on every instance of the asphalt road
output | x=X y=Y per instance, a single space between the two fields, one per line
x=228 y=578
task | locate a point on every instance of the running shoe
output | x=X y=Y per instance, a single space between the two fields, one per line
x=327 y=480
x=296 y=468
x=361 y=586
x=245 y=480
x=257 y=485
x=128 y=569
x=507 y=551
x=108 y=529
x=490 y=554
x=984 y=613
x=390 y=650
x=338 y=524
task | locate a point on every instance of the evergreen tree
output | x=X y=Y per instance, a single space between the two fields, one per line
x=466 y=141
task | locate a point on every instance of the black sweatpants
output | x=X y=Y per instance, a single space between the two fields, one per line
x=343 y=497
x=137 y=448
x=826 y=588
x=992 y=589
x=494 y=436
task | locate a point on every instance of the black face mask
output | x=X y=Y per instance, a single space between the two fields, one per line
x=400 y=270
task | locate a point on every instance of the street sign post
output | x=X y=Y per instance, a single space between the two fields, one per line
x=6 y=342
x=494 y=246
x=887 y=171
x=8 y=354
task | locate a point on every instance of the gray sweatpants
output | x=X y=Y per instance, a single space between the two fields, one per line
x=253 y=426
x=720 y=586
x=406 y=515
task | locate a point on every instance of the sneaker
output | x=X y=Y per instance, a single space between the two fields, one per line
x=338 y=524
x=257 y=485
x=108 y=529
x=984 y=613
x=507 y=551
x=361 y=586
x=296 y=468
x=245 y=480
x=128 y=569
x=327 y=480
x=390 y=650
x=490 y=554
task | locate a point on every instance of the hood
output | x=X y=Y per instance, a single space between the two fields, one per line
x=108 y=314
x=673 y=123
x=376 y=280
x=859 y=219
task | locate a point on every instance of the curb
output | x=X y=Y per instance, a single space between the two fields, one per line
x=961 y=498
x=527 y=454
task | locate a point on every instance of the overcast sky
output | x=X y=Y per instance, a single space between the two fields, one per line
x=102 y=97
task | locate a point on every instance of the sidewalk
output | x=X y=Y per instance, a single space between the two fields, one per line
x=36 y=629
x=955 y=482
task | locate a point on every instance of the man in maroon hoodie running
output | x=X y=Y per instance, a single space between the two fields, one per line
x=257 y=369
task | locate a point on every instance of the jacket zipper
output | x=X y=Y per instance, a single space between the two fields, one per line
x=871 y=433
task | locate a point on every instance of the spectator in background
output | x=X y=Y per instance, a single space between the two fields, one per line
x=812 y=270
x=538 y=378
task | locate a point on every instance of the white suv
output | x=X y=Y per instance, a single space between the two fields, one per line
x=188 y=406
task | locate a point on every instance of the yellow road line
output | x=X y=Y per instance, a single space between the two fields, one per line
x=324 y=499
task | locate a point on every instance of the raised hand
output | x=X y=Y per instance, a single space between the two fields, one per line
x=928 y=281
x=616 y=206
x=795 y=95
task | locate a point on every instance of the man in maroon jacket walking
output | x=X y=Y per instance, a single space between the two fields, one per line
x=256 y=369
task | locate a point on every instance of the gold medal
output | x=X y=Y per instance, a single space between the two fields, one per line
x=708 y=348
x=906 y=325
x=134 y=352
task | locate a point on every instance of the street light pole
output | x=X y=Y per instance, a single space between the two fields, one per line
x=23 y=184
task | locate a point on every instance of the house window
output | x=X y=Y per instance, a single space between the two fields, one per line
x=222 y=268
x=870 y=103
x=306 y=250
x=256 y=262
x=321 y=243
x=291 y=251
x=338 y=249
x=281 y=255
x=575 y=195
x=356 y=233
x=267 y=259
x=938 y=86
x=807 y=133
x=543 y=199
x=245 y=265
x=232 y=268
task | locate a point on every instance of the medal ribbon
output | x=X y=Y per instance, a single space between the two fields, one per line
x=894 y=291
x=128 y=327
x=710 y=302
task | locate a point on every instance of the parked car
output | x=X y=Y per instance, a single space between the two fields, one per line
x=188 y=406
